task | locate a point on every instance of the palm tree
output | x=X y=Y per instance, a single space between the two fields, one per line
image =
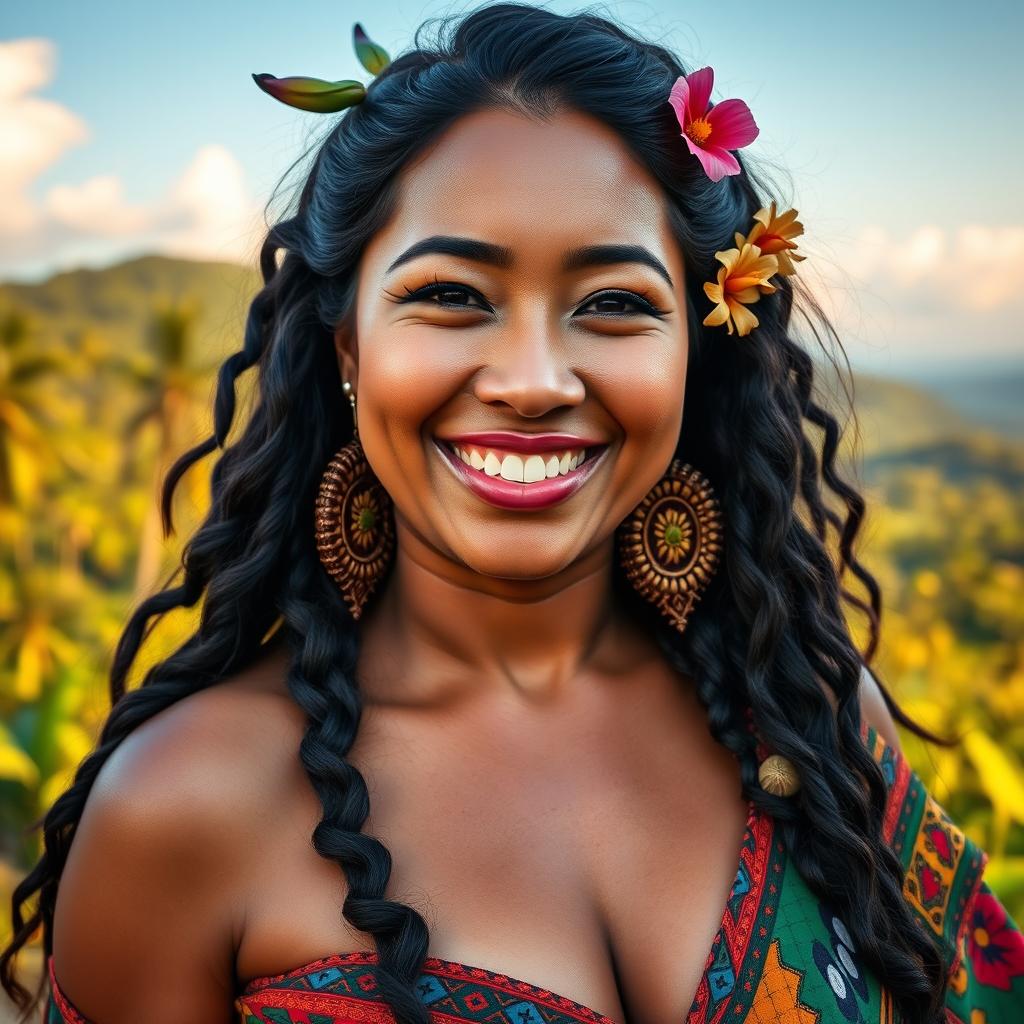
x=23 y=447
x=170 y=381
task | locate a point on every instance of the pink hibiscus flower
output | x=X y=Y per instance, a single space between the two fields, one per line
x=710 y=134
x=995 y=946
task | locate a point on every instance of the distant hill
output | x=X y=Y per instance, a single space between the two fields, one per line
x=994 y=398
x=117 y=300
x=893 y=414
x=960 y=461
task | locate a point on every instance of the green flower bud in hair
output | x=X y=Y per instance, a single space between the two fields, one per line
x=373 y=57
x=312 y=93
x=320 y=96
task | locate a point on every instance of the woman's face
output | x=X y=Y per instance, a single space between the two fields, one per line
x=539 y=327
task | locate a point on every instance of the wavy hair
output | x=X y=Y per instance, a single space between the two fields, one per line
x=769 y=633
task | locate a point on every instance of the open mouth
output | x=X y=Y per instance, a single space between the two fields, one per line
x=521 y=480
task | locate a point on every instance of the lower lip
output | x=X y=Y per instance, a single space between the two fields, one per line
x=513 y=495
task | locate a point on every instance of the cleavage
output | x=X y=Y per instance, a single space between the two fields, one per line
x=587 y=871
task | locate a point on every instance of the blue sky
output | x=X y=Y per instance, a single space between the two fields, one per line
x=894 y=129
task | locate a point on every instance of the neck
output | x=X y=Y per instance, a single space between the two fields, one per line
x=441 y=632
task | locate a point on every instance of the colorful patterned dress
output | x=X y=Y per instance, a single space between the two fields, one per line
x=781 y=956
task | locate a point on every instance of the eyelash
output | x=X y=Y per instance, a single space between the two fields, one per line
x=638 y=298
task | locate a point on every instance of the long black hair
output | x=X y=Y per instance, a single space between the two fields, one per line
x=769 y=633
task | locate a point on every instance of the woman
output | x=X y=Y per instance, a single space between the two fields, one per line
x=462 y=649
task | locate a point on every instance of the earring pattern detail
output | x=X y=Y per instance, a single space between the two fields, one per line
x=354 y=535
x=354 y=530
x=669 y=546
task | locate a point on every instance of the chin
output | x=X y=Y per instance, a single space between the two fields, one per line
x=516 y=561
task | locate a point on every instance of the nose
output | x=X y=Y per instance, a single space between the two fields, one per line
x=529 y=372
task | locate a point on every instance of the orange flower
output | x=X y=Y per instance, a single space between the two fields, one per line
x=774 y=236
x=742 y=278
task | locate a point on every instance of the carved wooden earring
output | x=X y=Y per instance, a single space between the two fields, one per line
x=354 y=530
x=778 y=776
x=670 y=544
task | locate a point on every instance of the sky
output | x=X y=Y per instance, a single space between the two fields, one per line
x=893 y=128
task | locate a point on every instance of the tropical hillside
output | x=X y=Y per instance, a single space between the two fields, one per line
x=106 y=376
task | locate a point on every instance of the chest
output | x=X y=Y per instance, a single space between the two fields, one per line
x=595 y=862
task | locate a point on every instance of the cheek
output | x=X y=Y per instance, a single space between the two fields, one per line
x=643 y=389
x=402 y=383
x=403 y=380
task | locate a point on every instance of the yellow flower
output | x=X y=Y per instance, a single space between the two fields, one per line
x=743 y=278
x=774 y=236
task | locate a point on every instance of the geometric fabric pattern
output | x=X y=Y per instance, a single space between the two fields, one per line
x=782 y=954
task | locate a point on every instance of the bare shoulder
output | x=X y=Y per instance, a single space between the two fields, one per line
x=197 y=763
x=874 y=710
x=149 y=909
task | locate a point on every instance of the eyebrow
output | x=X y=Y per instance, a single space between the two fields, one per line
x=500 y=256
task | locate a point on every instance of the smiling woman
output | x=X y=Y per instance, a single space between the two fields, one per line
x=520 y=543
x=554 y=308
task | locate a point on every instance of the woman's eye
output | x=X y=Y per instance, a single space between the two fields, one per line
x=610 y=303
x=448 y=296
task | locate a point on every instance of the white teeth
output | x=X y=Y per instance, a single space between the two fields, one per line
x=533 y=469
x=512 y=468
x=520 y=467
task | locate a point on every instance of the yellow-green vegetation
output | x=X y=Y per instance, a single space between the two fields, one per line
x=107 y=376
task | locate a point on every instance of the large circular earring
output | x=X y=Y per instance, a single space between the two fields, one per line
x=669 y=546
x=354 y=531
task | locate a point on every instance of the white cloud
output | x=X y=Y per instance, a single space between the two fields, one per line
x=937 y=291
x=34 y=132
x=218 y=212
x=994 y=257
x=97 y=207
x=974 y=267
x=206 y=213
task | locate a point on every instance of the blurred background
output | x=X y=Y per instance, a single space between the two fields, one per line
x=137 y=159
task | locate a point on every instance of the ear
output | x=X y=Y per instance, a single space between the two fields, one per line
x=347 y=351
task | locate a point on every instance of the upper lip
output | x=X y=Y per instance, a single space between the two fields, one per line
x=524 y=442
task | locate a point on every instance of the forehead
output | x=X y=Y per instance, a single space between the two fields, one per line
x=536 y=186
